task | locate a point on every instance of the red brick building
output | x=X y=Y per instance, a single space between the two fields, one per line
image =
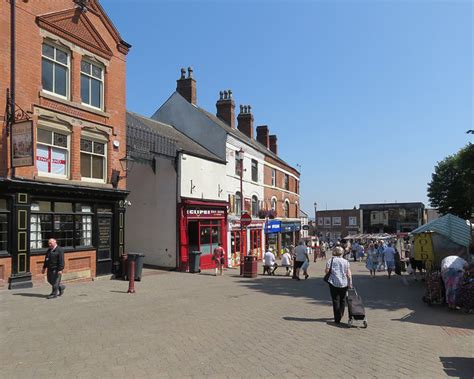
x=335 y=224
x=60 y=169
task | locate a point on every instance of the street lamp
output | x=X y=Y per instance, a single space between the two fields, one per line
x=243 y=237
x=315 y=218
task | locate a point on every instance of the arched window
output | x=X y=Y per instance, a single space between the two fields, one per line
x=255 y=206
x=238 y=208
x=286 y=208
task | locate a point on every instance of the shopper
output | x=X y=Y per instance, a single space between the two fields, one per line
x=286 y=262
x=219 y=258
x=389 y=258
x=452 y=272
x=270 y=264
x=372 y=260
x=340 y=279
x=301 y=255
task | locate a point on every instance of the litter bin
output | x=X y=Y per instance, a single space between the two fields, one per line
x=250 y=266
x=138 y=258
x=195 y=261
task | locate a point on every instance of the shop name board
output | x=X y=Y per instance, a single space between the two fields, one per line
x=273 y=227
x=290 y=227
x=205 y=212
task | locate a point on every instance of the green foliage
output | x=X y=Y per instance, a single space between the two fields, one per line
x=451 y=189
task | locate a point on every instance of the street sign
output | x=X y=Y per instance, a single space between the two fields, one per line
x=245 y=220
x=305 y=227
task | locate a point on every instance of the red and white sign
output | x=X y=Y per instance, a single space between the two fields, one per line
x=51 y=160
x=205 y=213
x=245 y=220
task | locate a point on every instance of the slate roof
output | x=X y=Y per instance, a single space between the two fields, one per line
x=179 y=102
x=183 y=142
x=450 y=226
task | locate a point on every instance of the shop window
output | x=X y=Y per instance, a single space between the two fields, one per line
x=55 y=70
x=238 y=203
x=70 y=224
x=93 y=160
x=52 y=153
x=255 y=208
x=254 y=170
x=4 y=215
x=204 y=236
x=274 y=177
x=92 y=84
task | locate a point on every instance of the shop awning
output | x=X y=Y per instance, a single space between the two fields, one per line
x=450 y=226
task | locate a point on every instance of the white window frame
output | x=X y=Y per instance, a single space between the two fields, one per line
x=352 y=221
x=103 y=141
x=320 y=221
x=90 y=76
x=254 y=169
x=336 y=221
x=68 y=76
x=68 y=149
x=254 y=197
x=274 y=177
x=327 y=221
x=286 y=208
x=274 y=199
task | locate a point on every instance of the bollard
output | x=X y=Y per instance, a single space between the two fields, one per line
x=131 y=276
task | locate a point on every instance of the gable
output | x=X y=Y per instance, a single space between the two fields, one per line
x=74 y=25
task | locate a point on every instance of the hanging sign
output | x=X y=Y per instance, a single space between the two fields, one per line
x=22 y=144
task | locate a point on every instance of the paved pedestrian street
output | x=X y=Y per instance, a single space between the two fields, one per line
x=182 y=325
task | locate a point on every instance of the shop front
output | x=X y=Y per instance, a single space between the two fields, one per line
x=290 y=233
x=87 y=222
x=281 y=235
x=202 y=226
x=272 y=232
x=253 y=236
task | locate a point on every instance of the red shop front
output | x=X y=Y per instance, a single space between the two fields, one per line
x=202 y=226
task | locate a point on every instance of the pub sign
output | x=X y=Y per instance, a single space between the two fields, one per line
x=22 y=144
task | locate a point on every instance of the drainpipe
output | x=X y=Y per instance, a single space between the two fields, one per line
x=12 y=81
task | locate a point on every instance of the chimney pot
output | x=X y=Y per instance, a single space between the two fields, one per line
x=221 y=95
x=230 y=94
x=190 y=72
x=183 y=73
x=186 y=87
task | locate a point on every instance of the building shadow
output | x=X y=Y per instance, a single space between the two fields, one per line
x=380 y=293
x=458 y=367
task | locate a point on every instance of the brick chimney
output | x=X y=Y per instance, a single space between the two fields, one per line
x=273 y=144
x=245 y=120
x=262 y=135
x=186 y=87
x=226 y=108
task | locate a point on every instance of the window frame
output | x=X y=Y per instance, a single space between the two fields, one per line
x=353 y=219
x=104 y=173
x=256 y=209
x=54 y=229
x=51 y=145
x=336 y=221
x=239 y=167
x=286 y=208
x=7 y=212
x=274 y=176
x=286 y=182
x=254 y=170
x=92 y=77
x=238 y=203
x=54 y=62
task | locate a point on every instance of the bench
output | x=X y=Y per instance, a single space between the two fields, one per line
x=270 y=270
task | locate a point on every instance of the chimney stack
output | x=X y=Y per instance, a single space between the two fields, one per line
x=273 y=144
x=186 y=87
x=262 y=136
x=226 y=108
x=245 y=120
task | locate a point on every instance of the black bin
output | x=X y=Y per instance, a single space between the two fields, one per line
x=138 y=258
x=195 y=261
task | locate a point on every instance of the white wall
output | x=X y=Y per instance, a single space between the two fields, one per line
x=151 y=219
x=250 y=188
x=207 y=177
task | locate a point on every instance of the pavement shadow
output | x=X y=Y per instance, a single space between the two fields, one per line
x=304 y=319
x=458 y=367
x=378 y=293
x=31 y=295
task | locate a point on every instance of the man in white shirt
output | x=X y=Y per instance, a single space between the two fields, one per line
x=301 y=255
x=270 y=264
x=389 y=256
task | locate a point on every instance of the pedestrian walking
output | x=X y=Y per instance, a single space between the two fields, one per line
x=301 y=255
x=340 y=279
x=218 y=257
x=452 y=272
x=389 y=258
x=54 y=266
x=380 y=262
x=372 y=260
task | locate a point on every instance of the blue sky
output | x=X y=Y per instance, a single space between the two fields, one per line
x=367 y=96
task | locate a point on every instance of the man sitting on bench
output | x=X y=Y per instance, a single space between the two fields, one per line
x=270 y=264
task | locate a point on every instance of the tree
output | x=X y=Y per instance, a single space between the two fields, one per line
x=451 y=189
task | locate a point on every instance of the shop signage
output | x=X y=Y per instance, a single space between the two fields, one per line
x=273 y=226
x=22 y=144
x=305 y=227
x=424 y=247
x=205 y=213
x=290 y=227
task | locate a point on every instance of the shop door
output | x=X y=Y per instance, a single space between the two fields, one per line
x=235 y=248
x=104 y=244
x=256 y=242
x=204 y=236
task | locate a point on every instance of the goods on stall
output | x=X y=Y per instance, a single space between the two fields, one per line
x=434 y=288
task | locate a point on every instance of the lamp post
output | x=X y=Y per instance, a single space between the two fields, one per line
x=243 y=236
x=316 y=219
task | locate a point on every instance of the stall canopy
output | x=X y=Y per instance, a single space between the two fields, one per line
x=449 y=226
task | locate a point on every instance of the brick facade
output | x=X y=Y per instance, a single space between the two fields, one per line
x=328 y=227
x=82 y=35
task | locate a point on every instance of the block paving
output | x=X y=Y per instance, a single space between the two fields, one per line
x=180 y=325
